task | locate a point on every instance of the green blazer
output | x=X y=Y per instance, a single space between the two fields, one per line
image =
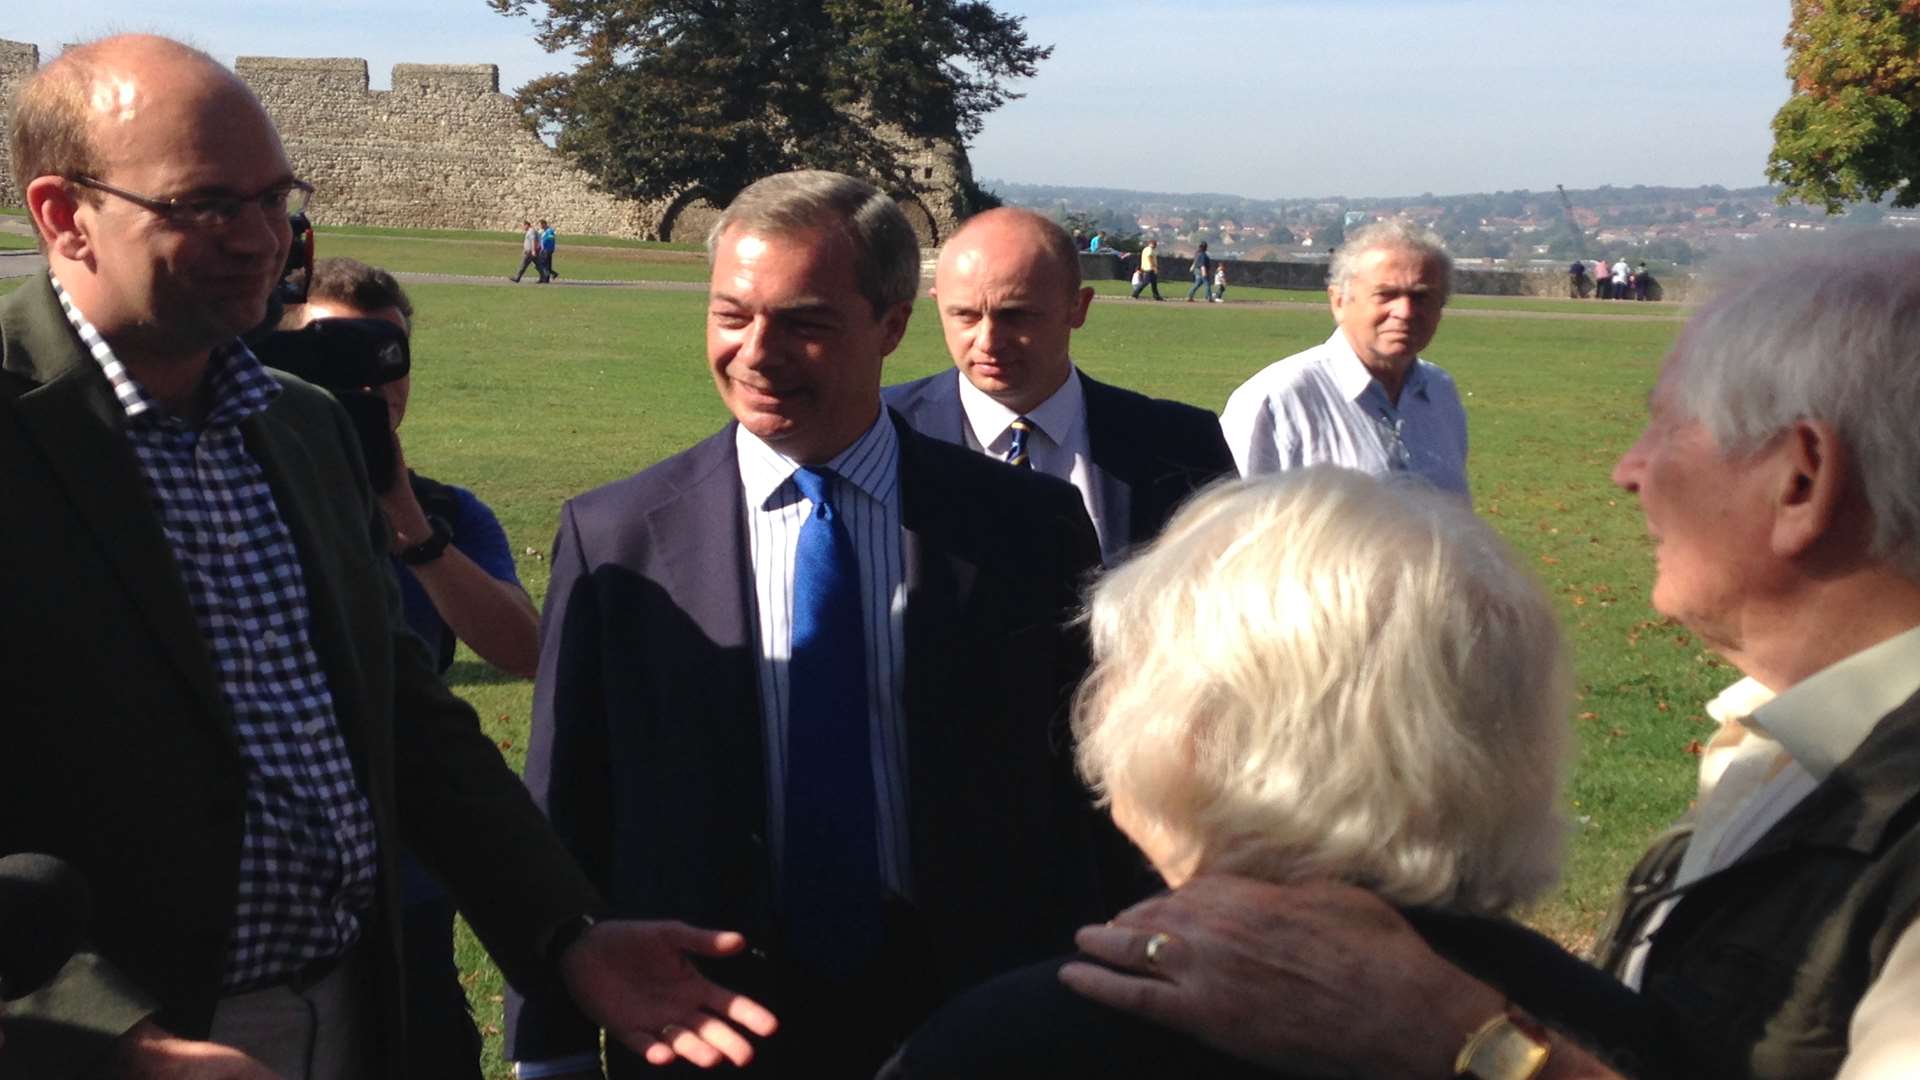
x=117 y=751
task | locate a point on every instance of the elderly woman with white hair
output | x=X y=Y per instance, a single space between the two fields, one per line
x=1315 y=676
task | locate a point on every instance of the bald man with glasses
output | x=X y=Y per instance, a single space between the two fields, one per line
x=213 y=708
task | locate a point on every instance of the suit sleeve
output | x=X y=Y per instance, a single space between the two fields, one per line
x=566 y=770
x=458 y=805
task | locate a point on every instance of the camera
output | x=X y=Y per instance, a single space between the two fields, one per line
x=346 y=357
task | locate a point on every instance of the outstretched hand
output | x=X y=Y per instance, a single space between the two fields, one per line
x=636 y=980
x=1317 y=977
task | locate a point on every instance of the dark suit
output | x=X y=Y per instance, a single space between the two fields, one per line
x=648 y=753
x=1148 y=454
x=120 y=753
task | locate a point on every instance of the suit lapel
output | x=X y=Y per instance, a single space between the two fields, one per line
x=940 y=588
x=1112 y=452
x=76 y=421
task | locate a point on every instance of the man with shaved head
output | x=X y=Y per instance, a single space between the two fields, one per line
x=1010 y=297
x=214 y=709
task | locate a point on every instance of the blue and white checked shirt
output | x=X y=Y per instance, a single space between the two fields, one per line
x=867 y=495
x=308 y=854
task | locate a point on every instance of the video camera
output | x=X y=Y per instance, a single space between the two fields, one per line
x=346 y=357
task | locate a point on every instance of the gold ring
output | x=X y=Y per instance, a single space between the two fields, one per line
x=1155 y=946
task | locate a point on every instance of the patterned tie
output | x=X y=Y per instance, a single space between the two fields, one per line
x=831 y=881
x=1017 y=449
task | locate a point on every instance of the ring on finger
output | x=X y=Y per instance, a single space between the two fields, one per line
x=1157 y=944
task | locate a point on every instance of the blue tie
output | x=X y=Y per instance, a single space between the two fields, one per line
x=832 y=872
x=1017 y=447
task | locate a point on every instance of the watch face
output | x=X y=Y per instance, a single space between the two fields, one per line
x=1506 y=1051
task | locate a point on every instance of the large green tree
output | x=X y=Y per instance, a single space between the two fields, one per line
x=672 y=95
x=1851 y=129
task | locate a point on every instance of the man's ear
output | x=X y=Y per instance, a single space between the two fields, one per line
x=1813 y=482
x=1077 y=317
x=54 y=208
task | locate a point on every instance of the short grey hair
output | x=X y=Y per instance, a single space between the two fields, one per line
x=1393 y=234
x=1322 y=674
x=1827 y=329
x=886 y=252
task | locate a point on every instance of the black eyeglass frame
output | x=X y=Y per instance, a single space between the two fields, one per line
x=211 y=211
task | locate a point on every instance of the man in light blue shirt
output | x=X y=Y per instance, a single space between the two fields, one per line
x=1364 y=398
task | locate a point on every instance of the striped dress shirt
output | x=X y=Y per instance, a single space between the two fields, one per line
x=866 y=493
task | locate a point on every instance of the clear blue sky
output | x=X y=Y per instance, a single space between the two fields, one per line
x=1271 y=98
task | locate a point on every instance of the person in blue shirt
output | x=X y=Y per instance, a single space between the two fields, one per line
x=547 y=240
x=457 y=583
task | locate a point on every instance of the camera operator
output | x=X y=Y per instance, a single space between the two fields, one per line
x=455 y=566
x=457 y=580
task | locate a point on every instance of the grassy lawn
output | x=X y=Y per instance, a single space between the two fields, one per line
x=530 y=396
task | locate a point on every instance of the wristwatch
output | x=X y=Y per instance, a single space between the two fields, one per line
x=440 y=534
x=1510 y=1046
x=557 y=940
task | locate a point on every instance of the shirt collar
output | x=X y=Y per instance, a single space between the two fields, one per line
x=1824 y=718
x=1056 y=417
x=1353 y=379
x=871 y=464
x=239 y=383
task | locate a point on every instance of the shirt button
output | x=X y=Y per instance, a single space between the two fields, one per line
x=268 y=640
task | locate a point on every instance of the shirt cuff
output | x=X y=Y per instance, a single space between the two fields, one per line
x=535 y=1070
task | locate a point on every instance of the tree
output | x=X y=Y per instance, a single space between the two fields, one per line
x=712 y=95
x=1850 y=131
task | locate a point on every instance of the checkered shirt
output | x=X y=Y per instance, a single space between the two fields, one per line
x=307 y=851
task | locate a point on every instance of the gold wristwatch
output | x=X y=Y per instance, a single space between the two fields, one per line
x=1509 y=1046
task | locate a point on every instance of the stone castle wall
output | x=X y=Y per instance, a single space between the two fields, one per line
x=445 y=149
x=17 y=61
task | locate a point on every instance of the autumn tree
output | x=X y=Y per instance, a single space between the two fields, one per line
x=1850 y=131
x=712 y=95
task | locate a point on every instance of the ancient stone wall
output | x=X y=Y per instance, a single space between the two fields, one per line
x=18 y=61
x=445 y=149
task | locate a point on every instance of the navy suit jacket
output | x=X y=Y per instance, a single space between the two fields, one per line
x=647 y=744
x=1148 y=454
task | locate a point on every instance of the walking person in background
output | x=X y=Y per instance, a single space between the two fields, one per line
x=1621 y=272
x=1220 y=283
x=546 y=253
x=1202 y=273
x=530 y=253
x=1602 y=280
x=1149 y=270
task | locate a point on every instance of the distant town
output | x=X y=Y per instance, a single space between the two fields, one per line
x=1668 y=227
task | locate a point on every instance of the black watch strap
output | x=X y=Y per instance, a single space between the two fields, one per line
x=434 y=546
x=562 y=936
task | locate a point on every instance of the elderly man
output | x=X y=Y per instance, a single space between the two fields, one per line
x=1009 y=294
x=807 y=677
x=1779 y=932
x=214 y=711
x=1363 y=399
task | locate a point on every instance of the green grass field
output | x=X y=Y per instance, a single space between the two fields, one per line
x=531 y=395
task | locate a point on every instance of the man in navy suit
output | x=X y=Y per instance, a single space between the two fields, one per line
x=1009 y=293
x=679 y=739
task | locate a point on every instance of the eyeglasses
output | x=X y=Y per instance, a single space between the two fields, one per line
x=212 y=211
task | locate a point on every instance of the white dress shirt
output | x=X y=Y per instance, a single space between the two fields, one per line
x=866 y=493
x=1770 y=753
x=1057 y=446
x=1323 y=407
